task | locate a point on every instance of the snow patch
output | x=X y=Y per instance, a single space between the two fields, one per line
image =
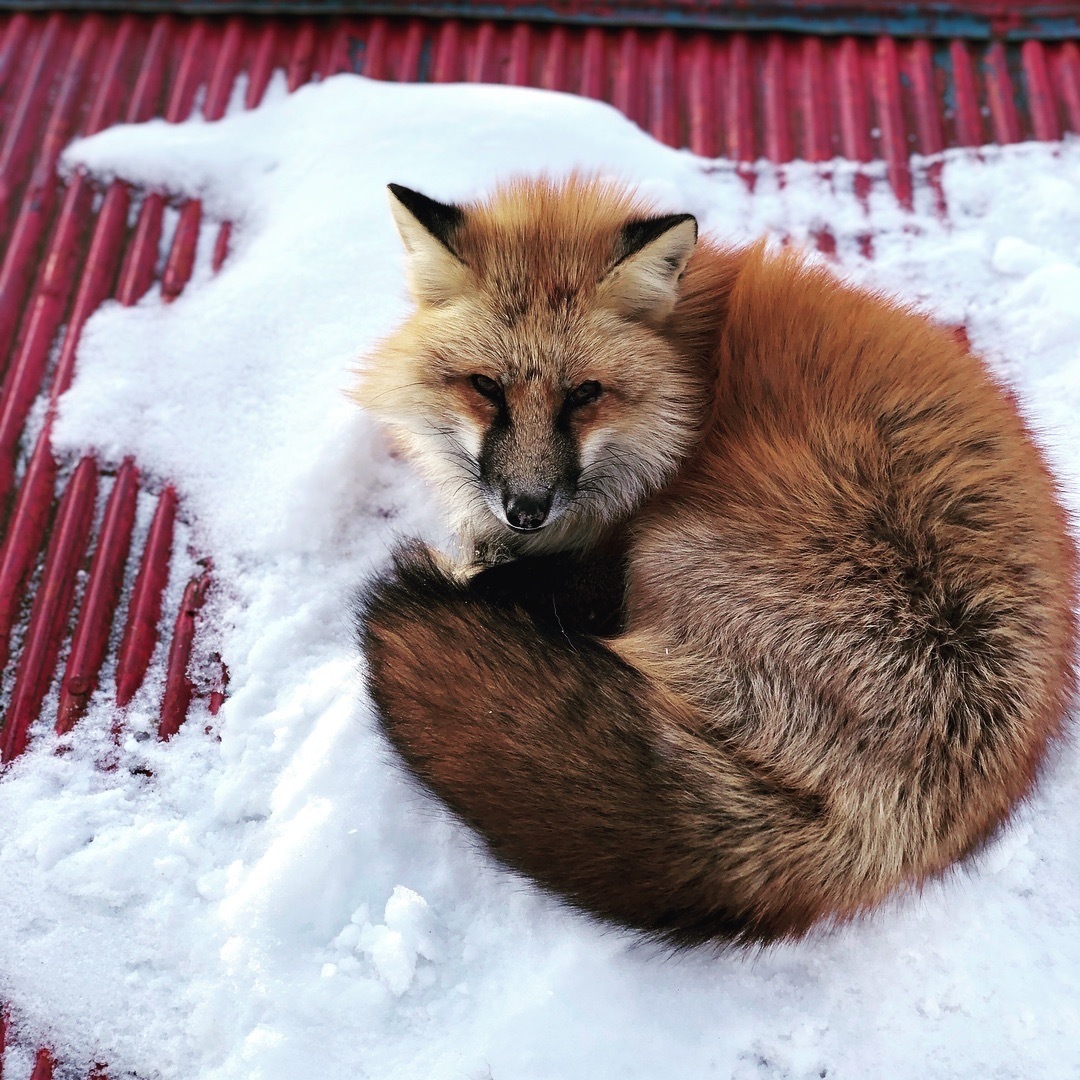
x=279 y=901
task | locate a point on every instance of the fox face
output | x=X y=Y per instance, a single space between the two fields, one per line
x=537 y=383
x=529 y=466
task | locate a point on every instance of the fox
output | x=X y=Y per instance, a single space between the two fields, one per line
x=764 y=608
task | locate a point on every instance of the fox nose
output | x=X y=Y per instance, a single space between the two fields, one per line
x=526 y=513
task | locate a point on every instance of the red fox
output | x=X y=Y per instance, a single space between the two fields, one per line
x=767 y=609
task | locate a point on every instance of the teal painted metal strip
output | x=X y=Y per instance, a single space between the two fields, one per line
x=1051 y=20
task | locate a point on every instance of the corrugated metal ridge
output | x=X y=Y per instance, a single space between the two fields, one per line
x=974 y=19
x=83 y=587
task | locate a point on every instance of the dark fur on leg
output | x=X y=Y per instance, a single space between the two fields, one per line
x=569 y=592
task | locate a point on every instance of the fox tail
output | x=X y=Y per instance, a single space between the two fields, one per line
x=584 y=774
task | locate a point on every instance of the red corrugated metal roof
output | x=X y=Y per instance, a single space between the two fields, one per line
x=69 y=583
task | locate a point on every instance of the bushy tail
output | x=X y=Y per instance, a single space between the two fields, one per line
x=590 y=778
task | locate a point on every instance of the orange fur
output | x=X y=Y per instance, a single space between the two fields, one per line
x=809 y=649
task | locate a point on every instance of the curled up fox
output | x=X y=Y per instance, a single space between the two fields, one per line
x=766 y=608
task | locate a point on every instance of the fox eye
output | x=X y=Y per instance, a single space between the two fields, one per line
x=486 y=387
x=585 y=394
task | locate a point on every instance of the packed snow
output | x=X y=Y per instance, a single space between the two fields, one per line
x=275 y=899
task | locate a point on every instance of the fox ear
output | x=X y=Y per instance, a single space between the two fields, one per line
x=650 y=256
x=427 y=229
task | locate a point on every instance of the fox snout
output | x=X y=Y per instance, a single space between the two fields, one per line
x=528 y=461
x=527 y=512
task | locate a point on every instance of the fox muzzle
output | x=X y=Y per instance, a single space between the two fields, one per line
x=527 y=512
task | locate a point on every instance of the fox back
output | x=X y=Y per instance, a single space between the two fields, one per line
x=840 y=634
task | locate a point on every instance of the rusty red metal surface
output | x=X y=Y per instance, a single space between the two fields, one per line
x=84 y=589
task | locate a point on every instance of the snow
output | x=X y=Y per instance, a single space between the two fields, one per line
x=276 y=900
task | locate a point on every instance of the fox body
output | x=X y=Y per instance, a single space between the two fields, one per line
x=771 y=604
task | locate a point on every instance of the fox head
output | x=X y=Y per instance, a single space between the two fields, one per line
x=538 y=380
